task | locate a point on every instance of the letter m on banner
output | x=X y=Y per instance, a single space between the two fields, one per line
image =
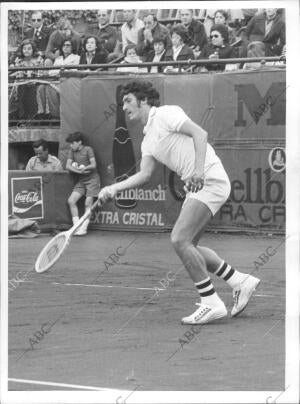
x=272 y=104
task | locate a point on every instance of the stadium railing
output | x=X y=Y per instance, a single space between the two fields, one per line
x=39 y=77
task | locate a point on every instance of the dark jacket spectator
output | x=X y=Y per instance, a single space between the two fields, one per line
x=158 y=54
x=218 y=47
x=57 y=37
x=152 y=30
x=179 y=50
x=39 y=32
x=196 y=35
x=185 y=53
x=106 y=34
x=93 y=52
x=268 y=28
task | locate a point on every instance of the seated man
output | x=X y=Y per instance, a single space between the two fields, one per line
x=152 y=30
x=43 y=161
x=106 y=34
x=196 y=31
x=38 y=32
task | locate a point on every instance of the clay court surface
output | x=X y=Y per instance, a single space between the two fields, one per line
x=113 y=329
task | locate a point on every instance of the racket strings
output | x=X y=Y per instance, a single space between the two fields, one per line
x=52 y=251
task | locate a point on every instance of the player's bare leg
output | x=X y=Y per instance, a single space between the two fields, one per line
x=192 y=220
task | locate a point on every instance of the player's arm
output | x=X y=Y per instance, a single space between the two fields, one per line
x=142 y=177
x=199 y=136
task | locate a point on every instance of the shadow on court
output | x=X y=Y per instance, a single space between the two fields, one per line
x=118 y=325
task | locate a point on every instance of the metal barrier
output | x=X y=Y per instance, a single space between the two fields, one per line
x=35 y=100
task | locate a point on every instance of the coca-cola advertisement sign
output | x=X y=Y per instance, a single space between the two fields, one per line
x=27 y=197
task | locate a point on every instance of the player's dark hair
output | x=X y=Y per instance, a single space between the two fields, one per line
x=75 y=137
x=40 y=142
x=143 y=90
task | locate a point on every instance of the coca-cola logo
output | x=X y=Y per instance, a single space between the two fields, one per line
x=26 y=197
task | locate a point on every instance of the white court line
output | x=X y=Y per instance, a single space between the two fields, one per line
x=138 y=288
x=74 y=386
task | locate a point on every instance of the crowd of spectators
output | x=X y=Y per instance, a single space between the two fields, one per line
x=214 y=34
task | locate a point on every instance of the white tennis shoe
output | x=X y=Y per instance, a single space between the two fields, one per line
x=243 y=293
x=205 y=314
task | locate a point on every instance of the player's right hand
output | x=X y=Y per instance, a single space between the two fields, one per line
x=107 y=193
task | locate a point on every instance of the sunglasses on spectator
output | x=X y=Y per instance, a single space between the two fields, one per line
x=67 y=44
x=215 y=36
x=36 y=20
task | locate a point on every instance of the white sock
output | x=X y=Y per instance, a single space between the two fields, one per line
x=207 y=293
x=75 y=219
x=233 y=277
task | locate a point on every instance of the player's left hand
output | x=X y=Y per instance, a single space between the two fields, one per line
x=194 y=183
x=107 y=193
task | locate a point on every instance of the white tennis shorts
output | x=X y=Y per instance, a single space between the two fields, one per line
x=216 y=189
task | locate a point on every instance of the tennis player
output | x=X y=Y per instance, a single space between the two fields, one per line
x=173 y=139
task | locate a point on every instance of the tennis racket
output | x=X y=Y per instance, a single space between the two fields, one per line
x=57 y=245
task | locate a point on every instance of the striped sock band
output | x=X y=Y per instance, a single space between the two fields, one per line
x=225 y=271
x=205 y=287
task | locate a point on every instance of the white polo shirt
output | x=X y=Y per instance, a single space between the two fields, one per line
x=167 y=145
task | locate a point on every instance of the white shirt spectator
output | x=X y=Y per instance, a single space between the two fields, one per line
x=176 y=51
x=61 y=61
x=130 y=32
x=167 y=145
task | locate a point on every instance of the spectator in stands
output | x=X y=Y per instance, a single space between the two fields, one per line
x=158 y=54
x=131 y=57
x=130 y=28
x=48 y=95
x=39 y=32
x=269 y=28
x=179 y=50
x=242 y=43
x=196 y=36
x=152 y=30
x=93 y=53
x=248 y=14
x=26 y=93
x=209 y=17
x=255 y=49
x=43 y=161
x=221 y=17
x=218 y=47
x=56 y=39
x=106 y=34
x=81 y=161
